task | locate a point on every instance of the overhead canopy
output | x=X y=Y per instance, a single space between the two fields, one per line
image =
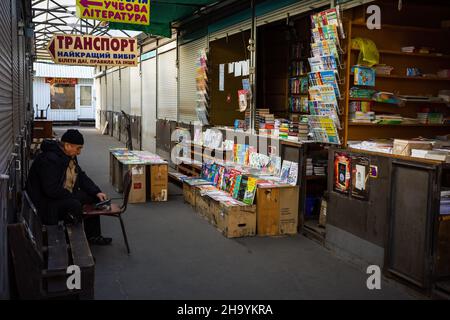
x=163 y=13
x=59 y=16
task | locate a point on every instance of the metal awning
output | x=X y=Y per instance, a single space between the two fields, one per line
x=164 y=12
x=59 y=16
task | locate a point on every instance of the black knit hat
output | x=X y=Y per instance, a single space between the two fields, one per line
x=73 y=136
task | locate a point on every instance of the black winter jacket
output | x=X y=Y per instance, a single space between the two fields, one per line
x=47 y=175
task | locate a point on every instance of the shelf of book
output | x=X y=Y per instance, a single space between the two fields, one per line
x=409 y=54
x=403 y=28
x=398 y=125
x=395 y=76
x=405 y=34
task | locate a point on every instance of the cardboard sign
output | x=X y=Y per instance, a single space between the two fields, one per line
x=129 y=11
x=52 y=81
x=91 y=50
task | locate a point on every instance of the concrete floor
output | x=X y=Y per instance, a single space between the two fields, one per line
x=176 y=254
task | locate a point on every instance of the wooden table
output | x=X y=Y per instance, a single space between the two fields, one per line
x=149 y=176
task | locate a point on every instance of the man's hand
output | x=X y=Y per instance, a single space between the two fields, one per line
x=102 y=196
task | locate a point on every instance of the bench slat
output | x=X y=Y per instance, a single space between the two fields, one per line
x=81 y=253
x=57 y=249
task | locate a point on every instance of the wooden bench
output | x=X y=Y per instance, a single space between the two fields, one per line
x=42 y=254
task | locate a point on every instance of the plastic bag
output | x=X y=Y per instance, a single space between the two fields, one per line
x=369 y=55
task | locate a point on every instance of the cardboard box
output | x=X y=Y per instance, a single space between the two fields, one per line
x=234 y=221
x=189 y=193
x=404 y=147
x=277 y=210
x=289 y=198
x=158 y=182
x=203 y=206
x=138 y=185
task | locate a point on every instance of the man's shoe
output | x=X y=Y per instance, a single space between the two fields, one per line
x=100 y=241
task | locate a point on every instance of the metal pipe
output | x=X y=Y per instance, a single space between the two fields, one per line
x=252 y=49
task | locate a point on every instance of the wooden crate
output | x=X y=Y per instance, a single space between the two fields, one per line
x=158 y=182
x=203 y=206
x=234 y=221
x=277 y=210
x=138 y=185
x=189 y=194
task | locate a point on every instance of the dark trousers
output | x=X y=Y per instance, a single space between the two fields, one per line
x=60 y=210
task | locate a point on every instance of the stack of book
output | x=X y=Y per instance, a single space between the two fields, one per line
x=388 y=119
x=430 y=118
x=264 y=119
x=293 y=129
x=303 y=130
x=320 y=167
x=410 y=49
x=359 y=116
x=284 y=129
x=309 y=167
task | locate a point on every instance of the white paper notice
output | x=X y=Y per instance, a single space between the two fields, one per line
x=222 y=77
x=237 y=69
x=360 y=183
x=245 y=68
x=231 y=67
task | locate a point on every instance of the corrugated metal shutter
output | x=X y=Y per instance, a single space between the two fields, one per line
x=292 y=10
x=103 y=93
x=6 y=134
x=239 y=27
x=125 y=89
x=109 y=92
x=20 y=112
x=167 y=86
x=135 y=91
x=354 y=3
x=15 y=74
x=6 y=97
x=149 y=105
x=116 y=91
x=189 y=54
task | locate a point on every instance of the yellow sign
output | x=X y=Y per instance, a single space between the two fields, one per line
x=91 y=50
x=124 y=11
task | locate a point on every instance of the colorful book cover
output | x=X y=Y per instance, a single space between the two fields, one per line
x=233 y=177
x=220 y=177
x=342 y=172
x=364 y=76
x=286 y=166
x=275 y=165
x=242 y=188
x=250 y=191
x=237 y=186
x=293 y=174
x=216 y=175
x=225 y=180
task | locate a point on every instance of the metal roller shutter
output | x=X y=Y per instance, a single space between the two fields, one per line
x=116 y=91
x=125 y=89
x=167 y=86
x=109 y=92
x=187 y=86
x=6 y=97
x=135 y=91
x=292 y=10
x=15 y=73
x=103 y=93
x=149 y=104
x=21 y=79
